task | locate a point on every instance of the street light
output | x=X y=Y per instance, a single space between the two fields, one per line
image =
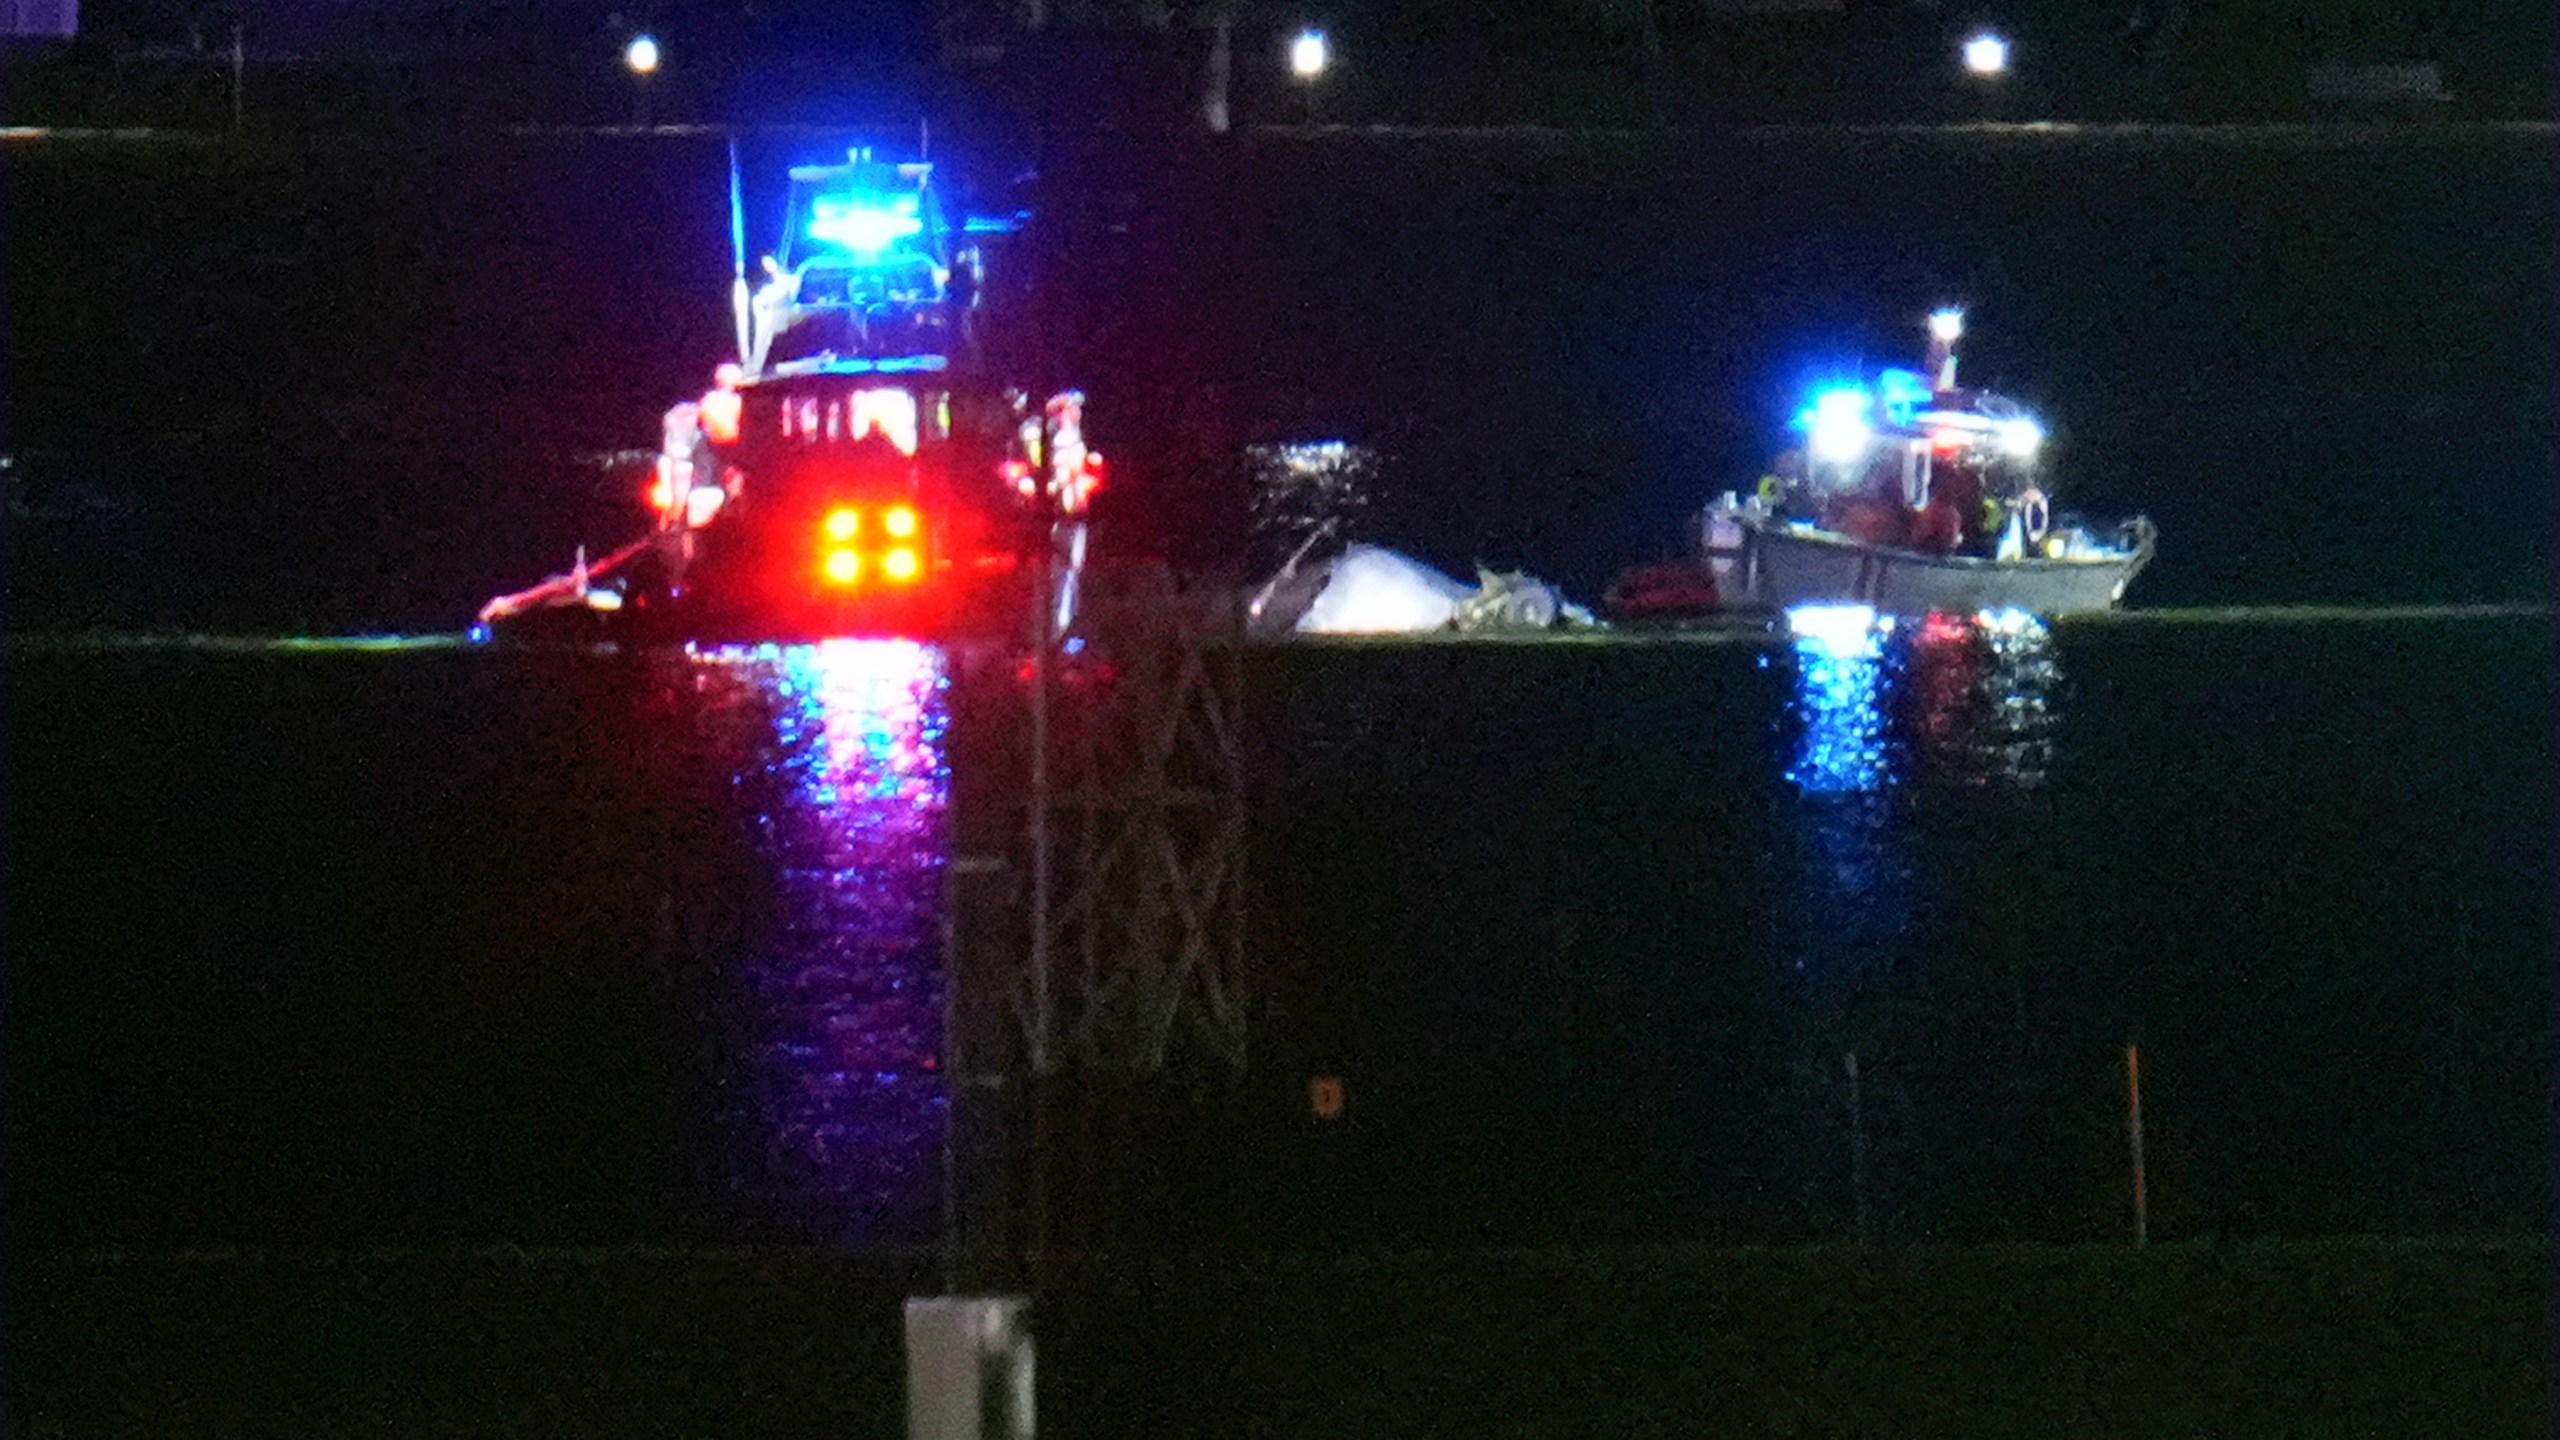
x=1307 y=55
x=1986 y=54
x=641 y=55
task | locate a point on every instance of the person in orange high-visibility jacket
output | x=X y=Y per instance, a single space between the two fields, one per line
x=720 y=406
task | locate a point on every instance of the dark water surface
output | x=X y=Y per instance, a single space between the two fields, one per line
x=344 y=947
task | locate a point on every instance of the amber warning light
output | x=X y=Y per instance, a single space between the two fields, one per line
x=844 y=564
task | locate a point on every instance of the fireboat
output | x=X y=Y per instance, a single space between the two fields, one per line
x=858 y=468
x=1908 y=496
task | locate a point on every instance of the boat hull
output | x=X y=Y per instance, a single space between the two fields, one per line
x=1787 y=566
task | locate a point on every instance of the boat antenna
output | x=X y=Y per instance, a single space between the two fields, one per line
x=737 y=250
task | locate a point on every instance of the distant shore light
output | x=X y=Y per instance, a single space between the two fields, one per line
x=642 y=55
x=1307 y=55
x=1986 y=54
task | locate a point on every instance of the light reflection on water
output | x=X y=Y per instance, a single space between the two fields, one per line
x=845 y=789
x=1886 y=713
x=1940 y=700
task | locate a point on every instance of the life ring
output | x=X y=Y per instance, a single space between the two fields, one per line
x=2034 y=515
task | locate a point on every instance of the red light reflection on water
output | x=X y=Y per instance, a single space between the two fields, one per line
x=1889 y=716
x=846 y=787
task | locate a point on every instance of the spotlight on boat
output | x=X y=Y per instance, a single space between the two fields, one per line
x=641 y=55
x=1946 y=326
x=1986 y=54
x=1308 y=55
x=2021 y=437
x=1837 y=431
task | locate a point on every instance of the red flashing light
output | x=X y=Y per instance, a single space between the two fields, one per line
x=900 y=522
x=843 y=567
x=900 y=565
x=842 y=524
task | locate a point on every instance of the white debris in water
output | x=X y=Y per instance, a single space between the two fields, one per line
x=1369 y=591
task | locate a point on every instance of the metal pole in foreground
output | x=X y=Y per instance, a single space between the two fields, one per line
x=1043 y=1001
x=1857 y=1145
x=739 y=301
x=2133 y=1133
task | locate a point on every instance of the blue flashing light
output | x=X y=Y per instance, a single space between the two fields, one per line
x=1905 y=394
x=1836 y=427
x=864 y=365
x=865 y=224
x=1846 y=401
x=994 y=225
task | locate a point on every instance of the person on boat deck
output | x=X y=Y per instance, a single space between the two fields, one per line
x=720 y=405
x=1955 y=502
x=1874 y=511
x=1781 y=490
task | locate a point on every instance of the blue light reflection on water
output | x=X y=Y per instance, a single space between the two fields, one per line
x=1839 y=690
x=1940 y=700
x=1886 y=714
x=847 y=788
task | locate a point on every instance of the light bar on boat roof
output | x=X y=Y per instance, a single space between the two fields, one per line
x=864 y=222
x=1903 y=392
x=860 y=365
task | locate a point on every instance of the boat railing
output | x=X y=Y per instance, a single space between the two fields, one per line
x=2145 y=541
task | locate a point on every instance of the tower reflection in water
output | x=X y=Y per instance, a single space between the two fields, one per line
x=844 y=787
x=1887 y=715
